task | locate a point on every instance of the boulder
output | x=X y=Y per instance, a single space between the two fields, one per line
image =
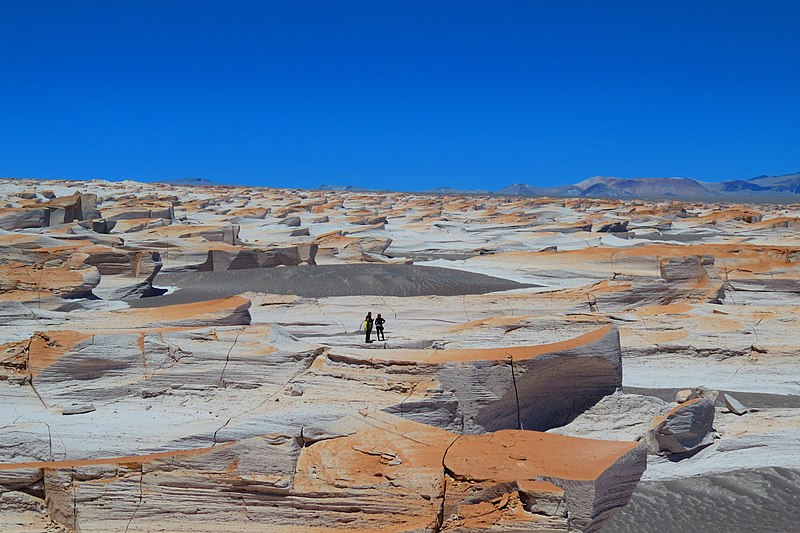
x=78 y=409
x=292 y=222
x=99 y=225
x=686 y=428
x=368 y=220
x=614 y=227
x=704 y=392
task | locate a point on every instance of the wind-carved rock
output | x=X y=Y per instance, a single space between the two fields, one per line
x=550 y=386
x=218 y=260
x=680 y=279
x=63 y=210
x=510 y=480
x=67 y=209
x=309 y=460
x=69 y=277
x=619 y=226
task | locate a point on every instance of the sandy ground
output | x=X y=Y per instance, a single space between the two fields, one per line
x=763 y=500
x=325 y=281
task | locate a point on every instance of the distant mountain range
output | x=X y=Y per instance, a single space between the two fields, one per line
x=203 y=182
x=766 y=188
x=785 y=187
x=343 y=188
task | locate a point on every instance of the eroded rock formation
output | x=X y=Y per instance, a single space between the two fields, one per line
x=140 y=394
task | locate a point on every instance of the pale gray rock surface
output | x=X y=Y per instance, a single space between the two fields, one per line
x=616 y=417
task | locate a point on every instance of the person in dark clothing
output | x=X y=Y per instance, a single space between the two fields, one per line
x=368 y=326
x=379 y=328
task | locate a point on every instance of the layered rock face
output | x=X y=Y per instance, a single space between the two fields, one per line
x=533 y=387
x=589 y=478
x=293 y=452
x=193 y=359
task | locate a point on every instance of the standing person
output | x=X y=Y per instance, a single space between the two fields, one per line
x=368 y=326
x=379 y=328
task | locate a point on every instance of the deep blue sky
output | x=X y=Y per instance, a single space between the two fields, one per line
x=407 y=95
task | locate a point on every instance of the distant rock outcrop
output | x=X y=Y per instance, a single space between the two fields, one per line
x=257 y=258
x=65 y=209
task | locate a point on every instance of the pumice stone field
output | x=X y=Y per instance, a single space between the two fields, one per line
x=194 y=359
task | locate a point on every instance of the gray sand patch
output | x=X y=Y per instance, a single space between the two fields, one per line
x=323 y=281
x=763 y=499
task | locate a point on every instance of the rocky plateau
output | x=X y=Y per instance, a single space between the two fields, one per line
x=190 y=357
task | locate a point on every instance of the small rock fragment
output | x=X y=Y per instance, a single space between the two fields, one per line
x=295 y=390
x=78 y=409
x=684 y=395
x=734 y=406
